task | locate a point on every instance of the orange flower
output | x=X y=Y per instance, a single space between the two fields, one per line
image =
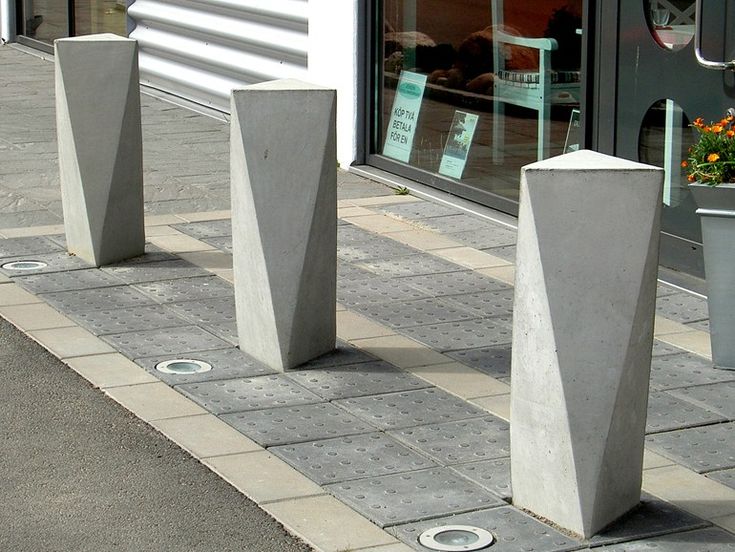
x=698 y=122
x=712 y=157
x=691 y=178
x=707 y=129
x=730 y=133
x=684 y=164
x=717 y=129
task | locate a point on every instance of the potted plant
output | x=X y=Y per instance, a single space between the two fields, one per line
x=710 y=169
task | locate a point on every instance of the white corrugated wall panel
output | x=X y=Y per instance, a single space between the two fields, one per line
x=201 y=49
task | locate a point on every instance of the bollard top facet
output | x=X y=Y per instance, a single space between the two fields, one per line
x=587 y=160
x=282 y=84
x=95 y=38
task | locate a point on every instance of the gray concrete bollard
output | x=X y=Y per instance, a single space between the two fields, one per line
x=284 y=220
x=587 y=261
x=100 y=147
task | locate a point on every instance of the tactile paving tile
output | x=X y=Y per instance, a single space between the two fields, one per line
x=343 y=353
x=667 y=413
x=356 y=380
x=459 y=442
x=96 y=299
x=56 y=262
x=716 y=397
x=413 y=496
x=206 y=229
x=346 y=458
x=242 y=394
x=85 y=278
x=405 y=314
x=349 y=233
x=703 y=540
x=484 y=238
x=170 y=341
x=464 y=334
x=118 y=320
x=136 y=273
x=348 y=272
x=486 y=303
x=420 y=210
x=514 y=531
x=662 y=290
x=506 y=252
x=701 y=325
x=207 y=311
x=187 y=289
x=32 y=245
x=223 y=243
x=457 y=223
x=296 y=424
x=224 y=330
x=685 y=370
x=376 y=290
x=660 y=348
x=494 y=475
x=410 y=408
x=413 y=265
x=377 y=248
x=226 y=364
x=493 y=361
x=702 y=449
x=453 y=283
x=682 y=307
x=726 y=477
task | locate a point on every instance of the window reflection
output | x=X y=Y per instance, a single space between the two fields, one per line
x=671 y=22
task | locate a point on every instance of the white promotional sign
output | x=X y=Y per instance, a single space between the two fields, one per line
x=404 y=115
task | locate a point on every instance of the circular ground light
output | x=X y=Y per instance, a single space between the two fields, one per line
x=24 y=265
x=183 y=366
x=455 y=538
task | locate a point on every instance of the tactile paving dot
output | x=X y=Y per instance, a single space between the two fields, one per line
x=410 y=408
x=717 y=397
x=702 y=449
x=226 y=364
x=355 y=380
x=453 y=283
x=703 y=540
x=168 y=341
x=187 y=289
x=146 y=317
x=55 y=262
x=376 y=290
x=32 y=245
x=494 y=475
x=682 y=307
x=135 y=273
x=415 y=313
x=409 y=266
x=296 y=424
x=494 y=361
x=96 y=299
x=486 y=303
x=377 y=248
x=459 y=442
x=242 y=394
x=667 y=412
x=401 y=498
x=684 y=370
x=462 y=334
x=513 y=530
x=346 y=458
x=206 y=229
x=67 y=281
x=206 y=311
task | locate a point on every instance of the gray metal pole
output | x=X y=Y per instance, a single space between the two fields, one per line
x=7 y=21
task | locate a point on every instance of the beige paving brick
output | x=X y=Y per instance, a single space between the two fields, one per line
x=470 y=257
x=164 y=230
x=36 y=316
x=162 y=220
x=355 y=326
x=384 y=200
x=205 y=436
x=154 y=401
x=461 y=380
x=109 y=370
x=694 y=341
x=224 y=273
x=70 y=342
x=327 y=524
x=664 y=326
x=505 y=274
x=205 y=215
x=652 y=460
x=4 y=279
x=401 y=351
x=690 y=491
x=499 y=405
x=424 y=240
x=180 y=243
x=263 y=477
x=339 y=307
x=209 y=260
x=353 y=211
x=380 y=224
x=46 y=230
x=12 y=294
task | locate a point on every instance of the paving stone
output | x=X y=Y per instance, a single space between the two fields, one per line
x=486 y=303
x=347 y=458
x=494 y=361
x=459 y=223
x=660 y=348
x=223 y=243
x=170 y=341
x=187 y=289
x=343 y=353
x=513 y=530
x=459 y=442
x=296 y=424
x=227 y=363
x=138 y=272
x=421 y=312
x=96 y=299
x=206 y=229
x=701 y=325
x=117 y=320
x=685 y=370
x=662 y=290
x=376 y=290
x=67 y=281
x=703 y=540
x=410 y=408
x=409 y=266
x=716 y=397
x=32 y=245
x=682 y=307
x=355 y=380
x=455 y=283
x=726 y=477
x=56 y=262
x=243 y=394
x=207 y=311
x=506 y=252
x=493 y=474
x=413 y=496
x=702 y=449
x=348 y=272
x=667 y=412
x=348 y=233
x=377 y=248
x=464 y=334
x=484 y=238
x=224 y=330
x=420 y=210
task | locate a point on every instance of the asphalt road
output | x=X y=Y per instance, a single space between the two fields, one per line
x=79 y=473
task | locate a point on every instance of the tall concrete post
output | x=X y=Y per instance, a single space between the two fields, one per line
x=587 y=261
x=100 y=147
x=284 y=220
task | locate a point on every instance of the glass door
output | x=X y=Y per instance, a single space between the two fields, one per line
x=46 y=20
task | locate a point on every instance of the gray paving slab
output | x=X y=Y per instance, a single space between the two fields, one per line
x=296 y=424
x=412 y=265
x=702 y=449
x=206 y=229
x=356 y=380
x=464 y=334
x=420 y=210
x=717 y=397
x=455 y=283
x=459 y=223
x=347 y=458
x=682 y=307
x=132 y=319
x=486 y=303
x=227 y=363
x=16 y=247
x=96 y=299
x=726 y=477
x=348 y=272
x=493 y=474
x=55 y=262
x=685 y=370
x=702 y=540
x=67 y=281
x=701 y=325
x=224 y=330
x=343 y=353
x=243 y=394
x=494 y=361
x=410 y=408
x=375 y=291
x=667 y=413
x=660 y=348
x=182 y=340
x=662 y=290
x=223 y=243
x=348 y=233
x=207 y=311
x=187 y=289
x=413 y=496
x=135 y=273
x=484 y=238
x=506 y=252
x=405 y=314
x=377 y=248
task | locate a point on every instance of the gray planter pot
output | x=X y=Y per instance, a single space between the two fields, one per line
x=717 y=213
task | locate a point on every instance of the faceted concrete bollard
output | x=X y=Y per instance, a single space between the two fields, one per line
x=587 y=261
x=284 y=220
x=100 y=147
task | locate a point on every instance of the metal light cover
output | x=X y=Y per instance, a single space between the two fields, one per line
x=183 y=366
x=24 y=265
x=456 y=538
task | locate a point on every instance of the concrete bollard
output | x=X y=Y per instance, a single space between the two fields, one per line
x=284 y=220
x=587 y=261
x=100 y=147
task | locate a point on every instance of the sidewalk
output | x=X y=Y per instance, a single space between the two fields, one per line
x=405 y=426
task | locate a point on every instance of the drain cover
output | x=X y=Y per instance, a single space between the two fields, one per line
x=183 y=366
x=24 y=265
x=450 y=538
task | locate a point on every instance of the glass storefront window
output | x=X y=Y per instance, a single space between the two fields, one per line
x=100 y=16
x=47 y=20
x=472 y=90
x=671 y=22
